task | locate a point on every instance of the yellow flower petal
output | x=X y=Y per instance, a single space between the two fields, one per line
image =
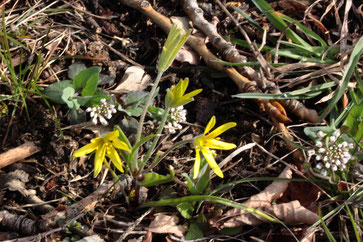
x=115 y=158
x=183 y=85
x=210 y=125
x=86 y=149
x=208 y=155
x=121 y=145
x=112 y=135
x=219 y=145
x=99 y=158
x=221 y=129
x=196 y=164
x=192 y=94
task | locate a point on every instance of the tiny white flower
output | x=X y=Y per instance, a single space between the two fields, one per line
x=327 y=165
x=94 y=121
x=318 y=144
x=103 y=121
x=319 y=166
x=345 y=160
x=321 y=150
x=89 y=109
x=350 y=145
x=318 y=157
x=334 y=168
x=332 y=138
x=347 y=155
x=343 y=167
x=311 y=152
x=336 y=133
x=323 y=172
x=344 y=144
x=326 y=158
x=320 y=134
x=337 y=162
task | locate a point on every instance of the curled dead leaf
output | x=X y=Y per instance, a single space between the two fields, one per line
x=291 y=212
x=165 y=224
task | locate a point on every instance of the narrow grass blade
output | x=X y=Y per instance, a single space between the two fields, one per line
x=304 y=29
x=304 y=93
x=254 y=179
x=244 y=43
x=354 y=225
x=350 y=67
x=327 y=232
x=278 y=22
x=202 y=198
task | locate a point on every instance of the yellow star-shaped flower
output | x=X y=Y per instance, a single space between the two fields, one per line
x=104 y=146
x=207 y=142
x=175 y=95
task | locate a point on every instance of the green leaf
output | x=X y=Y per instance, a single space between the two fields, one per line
x=203 y=183
x=190 y=184
x=354 y=121
x=156 y=113
x=155 y=179
x=354 y=58
x=75 y=69
x=311 y=131
x=186 y=210
x=54 y=91
x=67 y=97
x=87 y=78
x=194 y=232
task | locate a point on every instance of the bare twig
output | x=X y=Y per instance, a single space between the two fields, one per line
x=19 y=153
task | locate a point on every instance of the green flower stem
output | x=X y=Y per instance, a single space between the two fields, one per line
x=201 y=198
x=156 y=139
x=144 y=111
x=160 y=158
x=117 y=179
x=147 y=103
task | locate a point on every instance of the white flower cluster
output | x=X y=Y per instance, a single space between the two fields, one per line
x=332 y=152
x=102 y=111
x=177 y=115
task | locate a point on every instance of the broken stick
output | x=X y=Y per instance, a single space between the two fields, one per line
x=19 y=153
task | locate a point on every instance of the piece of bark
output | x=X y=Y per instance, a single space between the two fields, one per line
x=19 y=153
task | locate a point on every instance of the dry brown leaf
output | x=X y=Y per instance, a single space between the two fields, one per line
x=260 y=200
x=186 y=55
x=165 y=224
x=291 y=212
x=134 y=79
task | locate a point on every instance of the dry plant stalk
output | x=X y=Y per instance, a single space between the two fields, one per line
x=19 y=153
